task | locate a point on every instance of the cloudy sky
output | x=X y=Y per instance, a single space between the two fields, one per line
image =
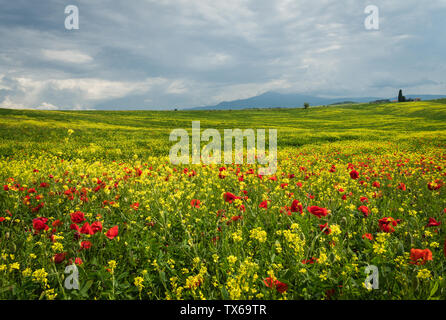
x=162 y=54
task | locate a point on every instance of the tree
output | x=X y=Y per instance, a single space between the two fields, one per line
x=306 y=105
x=401 y=98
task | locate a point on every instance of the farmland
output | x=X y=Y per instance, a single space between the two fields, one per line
x=356 y=185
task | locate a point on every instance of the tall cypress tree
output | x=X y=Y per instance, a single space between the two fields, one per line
x=401 y=98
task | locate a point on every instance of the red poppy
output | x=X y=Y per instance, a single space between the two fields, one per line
x=437 y=184
x=364 y=199
x=279 y=286
x=402 y=186
x=39 y=224
x=296 y=206
x=5 y=187
x=86 y=229
x=195 y=203
x=229 y=197
x=135 y=206
x=77 y=217
x=354 y=174
x=365 y=210
x=368 y=236
x=387 y=224
x=420 y=256
x=433 y=223
x=325 y=226
x=112 y=232
x=317 y=211
x=264 y=204
x=86 y=245
x=376 y=184
x=96 y=226
x=309 y=261
x=59 y=257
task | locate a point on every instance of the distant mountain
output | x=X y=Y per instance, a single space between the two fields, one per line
x=293 y=100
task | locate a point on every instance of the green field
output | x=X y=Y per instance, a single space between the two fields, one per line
x=113 y=167
x=147 y=132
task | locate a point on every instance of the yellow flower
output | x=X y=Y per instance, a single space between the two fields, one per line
x=27 y=272
x=112 y=265
x=231 y=259
x=258 y=234
x=50 y=294
x=424 y=274
x=139 y=283
x=40 y=276
x=14 y=266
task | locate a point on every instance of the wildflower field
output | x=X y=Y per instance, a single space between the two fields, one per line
x=356 y=185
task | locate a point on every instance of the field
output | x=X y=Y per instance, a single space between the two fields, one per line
x=356 y=185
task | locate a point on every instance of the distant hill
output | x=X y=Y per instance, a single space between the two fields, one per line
x=293 y=100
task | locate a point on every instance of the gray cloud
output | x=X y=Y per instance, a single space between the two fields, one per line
x=184 y=53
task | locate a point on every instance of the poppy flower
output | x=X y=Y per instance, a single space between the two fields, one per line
x=433 y=223
x=135 y=206
x=276 y=284
x=296 y=207
x=40 y=224
x=96 y=226
x=86 y=245
x=325 y=226
x=59 y=257
x=437 y=184
x=195 y=203
x=229 y=197
x=368 y=236
x=365 y=210
x=364 y=199
x=112 y=232
x=402 y=186
x=420 y=256
x=354 y=174
x=6 y=187
x=77 y=261
x=77 y=217
x=309 y=261
x=387 y=224
x=86 y=229
x=318 y=211
x=264 y=204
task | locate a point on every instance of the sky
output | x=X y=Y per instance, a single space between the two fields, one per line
x=165 y=54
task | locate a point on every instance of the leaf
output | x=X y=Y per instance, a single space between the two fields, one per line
x=87 y=286
x=434 y=289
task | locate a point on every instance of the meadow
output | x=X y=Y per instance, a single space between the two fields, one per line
x=356 y=185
